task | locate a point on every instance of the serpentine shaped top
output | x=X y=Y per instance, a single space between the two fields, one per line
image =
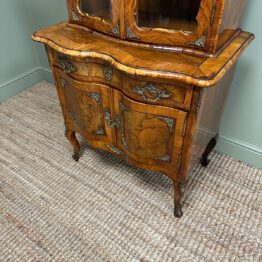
x=141 y=61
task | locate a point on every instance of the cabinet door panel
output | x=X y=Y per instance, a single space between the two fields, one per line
x=174 y=14
x=100 y=15
x=98 y=8
x=181 y=23
x=145 y=134
x=83 y=106
x=149 y=135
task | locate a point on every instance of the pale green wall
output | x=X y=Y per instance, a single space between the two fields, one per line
x=18 y=61
x=42 y=14
x=241 y=131
x=22 y=62
x=241 y=128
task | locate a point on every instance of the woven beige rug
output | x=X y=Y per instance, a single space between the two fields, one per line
x=100 y=209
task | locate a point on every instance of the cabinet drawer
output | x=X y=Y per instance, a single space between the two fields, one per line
x=166 y=94
x=86 y=69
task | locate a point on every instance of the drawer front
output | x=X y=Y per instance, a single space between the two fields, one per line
x=86 y=69
x=159 y=93
x=175 y=95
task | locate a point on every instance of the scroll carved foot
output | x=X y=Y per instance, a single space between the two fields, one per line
x=178 y=193
x=178 y=211
x=76 y=156
x=70 y=135
x=211 y=145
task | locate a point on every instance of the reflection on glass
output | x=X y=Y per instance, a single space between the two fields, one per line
x=98 y=8
x=168 y=14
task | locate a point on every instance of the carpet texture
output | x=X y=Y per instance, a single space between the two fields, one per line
x=101 y=209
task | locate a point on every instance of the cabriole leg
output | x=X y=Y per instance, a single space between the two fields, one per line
x=178 y=193
x=211 y=145
x=70 y=135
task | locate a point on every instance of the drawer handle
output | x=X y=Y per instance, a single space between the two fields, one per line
x=108 y=72
x=151 y=89
x=67 y=66
x=112 y=123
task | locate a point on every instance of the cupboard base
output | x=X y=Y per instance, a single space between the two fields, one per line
x=143 y=105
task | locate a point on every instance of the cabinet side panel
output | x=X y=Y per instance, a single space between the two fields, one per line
x=210 y=115
x=231 y=19
x=232 y=14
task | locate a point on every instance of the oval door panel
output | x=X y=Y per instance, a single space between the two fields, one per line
x=83 y=105
x=149 y=134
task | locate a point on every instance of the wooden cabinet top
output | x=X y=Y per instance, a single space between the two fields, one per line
x=137 y=60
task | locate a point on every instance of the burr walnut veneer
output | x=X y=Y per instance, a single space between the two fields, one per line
x=147 y=80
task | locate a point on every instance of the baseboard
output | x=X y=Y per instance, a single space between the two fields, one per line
x=20 y=83
x=241 y=150
x=47 y=75
x=238 y=149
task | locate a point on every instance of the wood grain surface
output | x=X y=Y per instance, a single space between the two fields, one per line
x=189 y=69
x=146 y=104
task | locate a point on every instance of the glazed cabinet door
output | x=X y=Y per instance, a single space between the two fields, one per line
x=150 y=136
x=100 y=15
x=83 y=106
x=186 y=23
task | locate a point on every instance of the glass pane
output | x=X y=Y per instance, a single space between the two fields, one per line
x=98 y=8
x=168 y=14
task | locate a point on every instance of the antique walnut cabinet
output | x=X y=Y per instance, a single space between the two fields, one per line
x=147 y=80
